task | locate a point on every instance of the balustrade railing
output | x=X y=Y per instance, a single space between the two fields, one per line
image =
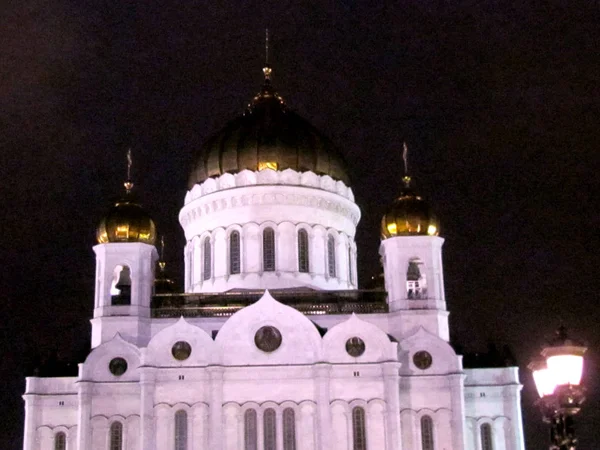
x=307 y=302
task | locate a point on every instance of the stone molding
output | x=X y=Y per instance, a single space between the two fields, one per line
x=244 y=198
x=287 y=177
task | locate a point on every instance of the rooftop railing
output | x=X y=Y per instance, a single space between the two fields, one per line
x=308 y=302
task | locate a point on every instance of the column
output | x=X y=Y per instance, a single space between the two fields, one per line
x=391 y=386
x=251 y=249
x=164 y=430
x=148 y=385
x=512 y=395
x=84 y=431
x=216 y=407
x=305 y=434
x=341 y=256
x=322 y=394
x=199 y=428
x=457 y=399
x=317 y=251
x=30 y=420
x=285 y=248
x=220 y=253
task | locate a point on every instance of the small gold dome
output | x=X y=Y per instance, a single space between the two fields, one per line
x=126 y=221
x=409 y=215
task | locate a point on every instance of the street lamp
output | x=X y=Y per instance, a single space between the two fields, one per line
x=557 y=375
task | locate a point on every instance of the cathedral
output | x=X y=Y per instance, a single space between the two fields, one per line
x=272 y=345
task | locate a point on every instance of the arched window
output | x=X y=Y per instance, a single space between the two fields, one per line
x=116 y=436
x=331 y=255
x=120 y=288
x=270 y=429
x=486 y=437
x=268 y=250
x=60 y=441
x=416 y=282
x=181 y=430
x=426 y=433
x=359 y=437
x=302 y=251
x=234 y=252
x=289 y=429
x=207 y=259
x=250 y=430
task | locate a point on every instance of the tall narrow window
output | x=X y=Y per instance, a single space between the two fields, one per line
x=116 y=436
x=250 y=430
x=302 y=251
x=486 y=437
x=289 y=429
x=331 y=255
x=207 y=259
x=426 y=433
x=181 y=431
x=270 y=429
x=234 y=252
x=60 y=441
x=268 y=250
x=358 y=429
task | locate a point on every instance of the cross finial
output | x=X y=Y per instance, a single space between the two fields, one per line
x=267 y=68
x=267 y=46
x=162 y=264
x=128 y=183
x=406 y=177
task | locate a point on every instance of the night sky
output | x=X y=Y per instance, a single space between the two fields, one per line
x=498 y=101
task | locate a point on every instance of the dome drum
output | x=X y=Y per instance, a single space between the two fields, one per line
x=275 y=203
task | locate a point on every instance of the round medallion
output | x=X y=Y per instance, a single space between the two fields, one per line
x=422 y=359
x=268 y=339
x=181 y=350
x=355 y=346
x=117 y=366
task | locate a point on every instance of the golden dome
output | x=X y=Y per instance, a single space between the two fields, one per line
x=126 y=221
x=409 y=215
x=268 y=135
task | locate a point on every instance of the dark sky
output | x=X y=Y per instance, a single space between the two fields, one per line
x=498 y=101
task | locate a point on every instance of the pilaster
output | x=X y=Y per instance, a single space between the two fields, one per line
x=216 y=407
x=84 y=428
x=148 y=386
x=391 y=380
x=322 y=374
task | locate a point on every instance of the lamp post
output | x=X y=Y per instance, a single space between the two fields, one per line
x=557 y=376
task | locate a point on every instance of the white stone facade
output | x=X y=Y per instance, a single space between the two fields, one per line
x=269 y=377
x=310 y=378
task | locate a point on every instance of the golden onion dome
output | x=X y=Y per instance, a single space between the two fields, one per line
x=126 y=221
x=409 y=215
x=268 y=136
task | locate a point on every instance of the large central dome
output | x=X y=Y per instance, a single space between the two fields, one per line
x=268 y=135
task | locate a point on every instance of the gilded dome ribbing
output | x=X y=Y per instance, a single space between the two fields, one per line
x=126 y=221
x=268 y=135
